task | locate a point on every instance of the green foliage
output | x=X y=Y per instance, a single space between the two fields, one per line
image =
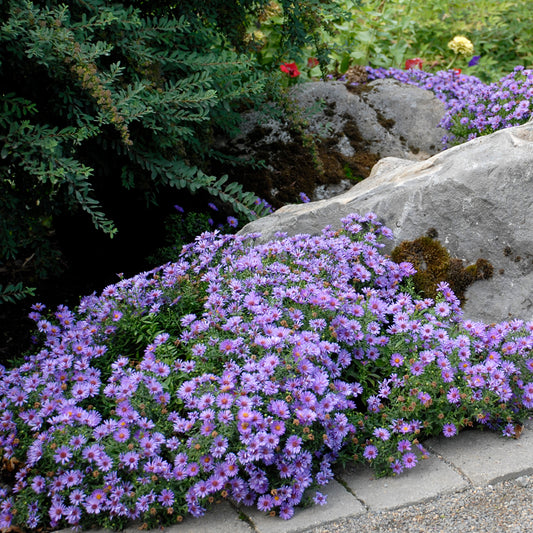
x=11 y=293
x=372 y=33
x=181 y=229
x=499 y=29
x=272 y=31
x=290 y=31
x=385 y=34
x=350 y=175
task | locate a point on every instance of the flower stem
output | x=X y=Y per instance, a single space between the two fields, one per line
x=452 y=62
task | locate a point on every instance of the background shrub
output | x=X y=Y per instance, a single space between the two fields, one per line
x=386 y=34
x=104 y=106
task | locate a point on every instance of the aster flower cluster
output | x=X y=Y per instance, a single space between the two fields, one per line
x=245 y=372
x=473 y=108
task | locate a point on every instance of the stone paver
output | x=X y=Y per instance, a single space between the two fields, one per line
x=485 y=457
x=429 y=479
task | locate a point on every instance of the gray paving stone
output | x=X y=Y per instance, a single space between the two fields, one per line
x=485 y=457
x=341 y=504
x=430 y=478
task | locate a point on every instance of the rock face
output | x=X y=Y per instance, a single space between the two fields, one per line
x=387 y=117
x=477 y=196
x=355 y=126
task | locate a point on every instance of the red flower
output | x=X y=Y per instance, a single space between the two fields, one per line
x=312 y=62
x=290 y=68
x=414 y=63
x=457 y=71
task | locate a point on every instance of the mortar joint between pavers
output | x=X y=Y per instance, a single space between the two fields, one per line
x=243 y=516
x=453 y=466
x=350 y=491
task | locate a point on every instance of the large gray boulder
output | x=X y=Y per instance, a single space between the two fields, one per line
x=354 y=127
x=479 y=198
x=390 y=118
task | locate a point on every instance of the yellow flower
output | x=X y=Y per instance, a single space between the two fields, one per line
x=461 y=45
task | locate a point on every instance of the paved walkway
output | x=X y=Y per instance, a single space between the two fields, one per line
x=470 y=460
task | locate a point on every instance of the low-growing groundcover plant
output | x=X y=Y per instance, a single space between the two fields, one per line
x=473 y=108
x=246 y=371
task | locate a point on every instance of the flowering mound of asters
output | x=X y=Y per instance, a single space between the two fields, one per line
x=473 y=108
x=245 y=372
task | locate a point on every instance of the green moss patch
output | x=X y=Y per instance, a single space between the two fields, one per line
x=433 y=265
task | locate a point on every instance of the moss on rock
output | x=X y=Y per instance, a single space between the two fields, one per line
x=433 y=265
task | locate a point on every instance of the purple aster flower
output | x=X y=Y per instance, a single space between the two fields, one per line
x=381 y=433
x=396 y=360
x=104 y=462
x=409 y=460
x=121 y=435
x=397 y=467
x=286 y=512
x=417 y=368
x=404 y=445
x=320 y=499
x=265 y=502
x=129 y=459
x=91 y=453
x=57 y=511
x=509 y=430
x=304 y=198
x=73 y=515
x=166 y=498
x=293 y=445
x=449 y=430
x=149 y=446
x=454 y=395
x=63 y=455
x=193 y=469
x=424 y=398
x=374 y=404
x=232 y=221
x=279 y=408
x=72 y=478
x=38 y=484
x=93 y=504
x=77 y=497
x=371 y=452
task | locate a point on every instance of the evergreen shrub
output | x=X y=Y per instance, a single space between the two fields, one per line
x=102 y=102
